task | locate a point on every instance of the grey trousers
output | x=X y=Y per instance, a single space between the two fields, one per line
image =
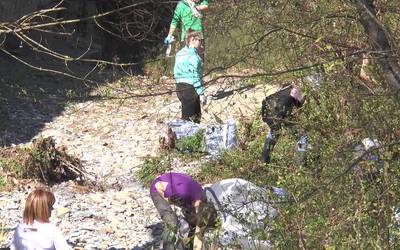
x=170 y=220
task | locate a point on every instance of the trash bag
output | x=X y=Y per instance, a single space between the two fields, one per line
x=368 y=174
x=243 y=208
x=220 y=137
x=183 y=128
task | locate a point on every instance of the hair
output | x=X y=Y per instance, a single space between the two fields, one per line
x=38 y=206
x=190 y=34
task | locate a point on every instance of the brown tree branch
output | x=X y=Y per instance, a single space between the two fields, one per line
x=379 y=40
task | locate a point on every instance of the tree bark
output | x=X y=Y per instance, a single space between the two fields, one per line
x=379 y=40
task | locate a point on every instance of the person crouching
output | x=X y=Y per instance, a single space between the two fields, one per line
x=183 y=191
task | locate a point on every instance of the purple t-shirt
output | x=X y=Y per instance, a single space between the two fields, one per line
x=180 y=186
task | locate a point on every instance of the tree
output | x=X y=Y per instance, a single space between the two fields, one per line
x=381 y=42
x=353 y=45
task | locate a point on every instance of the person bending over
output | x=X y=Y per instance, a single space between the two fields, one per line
x=275 y=111
x=183 y=191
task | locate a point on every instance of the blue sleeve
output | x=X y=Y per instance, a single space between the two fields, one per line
x=196 y=69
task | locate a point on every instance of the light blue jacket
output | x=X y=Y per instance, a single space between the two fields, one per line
x=189 y=68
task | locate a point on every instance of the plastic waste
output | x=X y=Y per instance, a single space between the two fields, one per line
x=169 y=46
x=220 y=137
x=280 y=192
x=183 y=228
x=302 y=143
x=183 y=128
x=372 y=157
x=242 y=208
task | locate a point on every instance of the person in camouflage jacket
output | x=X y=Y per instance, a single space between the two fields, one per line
x=275 y=111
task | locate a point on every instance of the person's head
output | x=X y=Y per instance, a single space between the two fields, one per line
x=296 y=94
x=193 y=39
x=38 y=206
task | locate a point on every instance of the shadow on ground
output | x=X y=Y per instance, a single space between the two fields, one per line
x=30 y=98
x=156 y=231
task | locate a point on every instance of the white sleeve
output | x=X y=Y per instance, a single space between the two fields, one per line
x=59 y=241
x=13 y=244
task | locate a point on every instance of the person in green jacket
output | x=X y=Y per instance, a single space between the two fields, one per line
x=188 y=72
x=189 y=13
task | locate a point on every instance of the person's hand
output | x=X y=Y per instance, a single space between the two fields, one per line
x=169 y=39
x=203 y=99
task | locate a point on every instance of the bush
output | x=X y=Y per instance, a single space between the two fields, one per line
x=43 y=161
x=3 y=183
x=192 y=144
x=152 y=167
x=243 y=162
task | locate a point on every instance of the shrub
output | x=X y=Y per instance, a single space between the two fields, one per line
x=3 y=183
x=191 y=144
x=152 y=167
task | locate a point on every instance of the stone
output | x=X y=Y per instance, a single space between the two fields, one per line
x=62 y=211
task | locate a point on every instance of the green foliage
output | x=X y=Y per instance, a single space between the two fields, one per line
x=243 y=161
x=3 y=183
x=152 y=167
x=335 y=206
x=191 y=144
x=162 y=65
x=3 y=232
x=15 y=166
x=330 y=206
x=42 y=161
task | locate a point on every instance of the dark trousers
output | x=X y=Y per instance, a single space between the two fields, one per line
x=270 y=140
x=191 y=110
x=171 y=222
x=269 y=145
x=273 y=136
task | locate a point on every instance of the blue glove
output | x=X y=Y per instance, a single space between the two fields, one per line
x=169 y=39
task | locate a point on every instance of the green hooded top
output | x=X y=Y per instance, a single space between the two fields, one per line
x=184 y=14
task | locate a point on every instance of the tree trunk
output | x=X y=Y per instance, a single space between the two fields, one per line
x=379 y=40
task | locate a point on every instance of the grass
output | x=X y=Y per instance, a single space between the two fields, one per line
x=3 y=233
x=3 y=183
x=152 y=167
x=192 y=144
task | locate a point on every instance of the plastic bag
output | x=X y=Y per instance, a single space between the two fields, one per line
x=243 y=208
x=220 y=137
x=183 y=128
x=217 y=137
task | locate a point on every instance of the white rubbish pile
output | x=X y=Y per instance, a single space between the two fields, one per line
x=217 y=137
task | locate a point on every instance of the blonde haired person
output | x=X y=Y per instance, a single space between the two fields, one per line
x=36 y=231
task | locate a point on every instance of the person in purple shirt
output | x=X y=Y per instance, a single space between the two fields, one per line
x=180 y=190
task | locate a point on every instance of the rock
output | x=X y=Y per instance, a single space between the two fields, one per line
x=111 y=139
x=62 y=211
